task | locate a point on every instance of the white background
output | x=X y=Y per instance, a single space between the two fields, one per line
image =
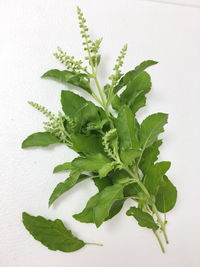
x=30 y=31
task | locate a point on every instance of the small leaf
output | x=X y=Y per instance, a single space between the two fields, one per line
x=166 y=196
x=154 y=176
x=52 y=234
x=115 y=209
x=144 y=219
x=63 y=167
x=87 y=144
x=133 y=74
x=77 y=79
x=151 y=127
x=40 y=139
x=63 y=187
x=127 y=129
x=150 y=155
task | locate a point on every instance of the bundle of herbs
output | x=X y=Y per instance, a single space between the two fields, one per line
x=113 y=149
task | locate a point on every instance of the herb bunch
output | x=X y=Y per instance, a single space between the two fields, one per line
x=114 y=150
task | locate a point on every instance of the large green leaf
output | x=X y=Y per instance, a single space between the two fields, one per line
x=134 y=95
x=127 y=129
x=52 y=234
x=99 y=206
x=150 y=155
x=144 y=219
x=40 y=139
x=166 y=196
x=151 y=127
x=78 y=79
x=87 y=143
x=133 y=74
x=63 y=187
x=154 y=176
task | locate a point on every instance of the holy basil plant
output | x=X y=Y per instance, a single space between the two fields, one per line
x=114 y=150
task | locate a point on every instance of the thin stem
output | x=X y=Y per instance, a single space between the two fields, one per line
x=160 y=222
x=95 y=244
x=159 y=241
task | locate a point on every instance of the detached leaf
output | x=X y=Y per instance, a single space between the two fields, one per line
x=63 y=187
x=40 y=139
x=127 y=129
x=144 y=219
x=133 y=74
x=150 y=155
x=154 y=176
x=151 y=127
x=78 y=79
x=166 y=196
x=52 y=234
x=63 y=167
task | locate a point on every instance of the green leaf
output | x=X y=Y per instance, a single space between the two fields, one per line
x=52 y=234
x=132 y=190
x=115 y=208
x=94 y=162
x=107 y=198
x=40 y=139
x=63 y=187
x=127 y=129
x=154 y=176
x=106 y=169
x=166 y=196
x=133 y=74
x=78 y=79
x=63 y=167
x=150 y=155
x=87 y=214
x=144 y=219
x=72 y=103
x=102 y=183
x=136 y=91
x=129 y=155
x=151 y=127
x=87 y=114
x=99 y=206
x=87 y=143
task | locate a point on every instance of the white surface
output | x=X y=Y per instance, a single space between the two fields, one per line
x=30 y=32
x=191 y=3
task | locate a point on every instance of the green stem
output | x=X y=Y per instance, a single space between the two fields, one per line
x=159 y=241
x=154 y=209
x=95 y=244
